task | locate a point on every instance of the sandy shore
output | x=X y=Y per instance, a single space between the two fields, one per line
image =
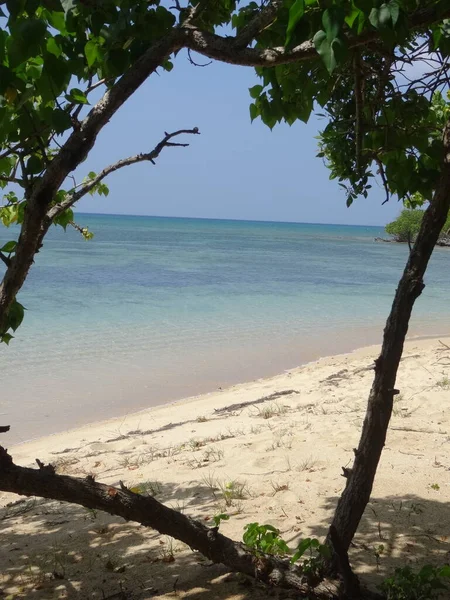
x=278 y=444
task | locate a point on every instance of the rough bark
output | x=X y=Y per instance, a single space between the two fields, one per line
x=360 y=478
x=44 y=482
x=229 y=50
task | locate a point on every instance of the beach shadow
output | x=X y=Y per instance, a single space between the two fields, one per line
x=396 y=531
x=54 y=549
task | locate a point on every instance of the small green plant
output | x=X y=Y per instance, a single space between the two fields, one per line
x=265 y=539
x=444 y=382
x=426 y=584
x=311 y=566
x=217 y=519
x=378 y=553
x=233 y=490
x=271 y=410
x=91 y=514
x=435 y=486
x=147 y=488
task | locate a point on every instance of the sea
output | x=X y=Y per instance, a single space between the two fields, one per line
x=155 y=309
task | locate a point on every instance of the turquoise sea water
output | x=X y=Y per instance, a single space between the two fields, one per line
x=155 y=309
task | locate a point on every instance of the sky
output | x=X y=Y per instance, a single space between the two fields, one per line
x=234 y=170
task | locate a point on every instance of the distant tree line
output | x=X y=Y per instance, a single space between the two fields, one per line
x=406 y=227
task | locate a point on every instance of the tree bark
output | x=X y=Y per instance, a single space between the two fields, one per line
x=45 y=483
x=360 y=478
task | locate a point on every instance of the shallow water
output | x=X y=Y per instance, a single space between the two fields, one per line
x=155 y=309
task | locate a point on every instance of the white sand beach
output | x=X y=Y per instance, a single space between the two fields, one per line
x=269 y=451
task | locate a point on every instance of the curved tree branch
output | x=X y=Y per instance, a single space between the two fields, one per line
x=71 y=199
x=44 y=482
x=360 y=478
x=228 y=49
x=72 y=153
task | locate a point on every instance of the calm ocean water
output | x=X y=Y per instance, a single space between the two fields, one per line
x=155 y=309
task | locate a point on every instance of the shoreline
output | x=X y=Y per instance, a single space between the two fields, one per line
x=267 y=451
x=166 y=406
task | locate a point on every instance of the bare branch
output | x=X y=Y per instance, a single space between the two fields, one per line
x=383 y=179
x=192 y=61
x=44 y=482
x=125 y=162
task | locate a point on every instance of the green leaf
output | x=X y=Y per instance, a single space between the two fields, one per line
x=339 y=49
x=255 y=91
x=323 y=47
x=296 y=12
x=35 y=165
x=92 y=52
x=77 y=96
x=6 y=338
x=254 y=112
x=53 y=47
x=394 y=9
x=351 y=18
x=57 y=20
x=445 y=571
x=385 y=16
x=15 y=315
x=9 y=247
x=332 y=20
x=60 y=120
x=25 y=40
x=64 y=218
x=301 y=549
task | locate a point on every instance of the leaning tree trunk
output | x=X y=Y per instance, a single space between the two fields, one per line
x=356 y=494
x=272 y=570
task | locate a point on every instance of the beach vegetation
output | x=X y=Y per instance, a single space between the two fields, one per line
x=376 y=72
x=407 y=225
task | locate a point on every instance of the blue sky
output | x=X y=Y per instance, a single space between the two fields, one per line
x=235 y=169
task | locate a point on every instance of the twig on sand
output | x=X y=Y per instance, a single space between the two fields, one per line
x=240 y=405
x=411 y=429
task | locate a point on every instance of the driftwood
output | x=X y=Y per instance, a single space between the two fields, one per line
x=241 y=405
x=122 y=502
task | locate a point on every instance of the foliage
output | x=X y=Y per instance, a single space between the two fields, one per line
x=217 y=519
x=55 y=53
x=426 y=584
x=406 y=226
x=380 y=123
x=265 y=539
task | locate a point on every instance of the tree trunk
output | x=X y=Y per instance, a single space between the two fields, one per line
x=44 y=482
x=356 y=494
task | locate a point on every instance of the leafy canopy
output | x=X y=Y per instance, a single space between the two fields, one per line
x=384 y=105
x=360 y=63
x=406 y=226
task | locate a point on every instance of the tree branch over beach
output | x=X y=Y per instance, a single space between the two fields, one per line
x=353 y=59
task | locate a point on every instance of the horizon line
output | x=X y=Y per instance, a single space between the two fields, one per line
x=227 y=219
